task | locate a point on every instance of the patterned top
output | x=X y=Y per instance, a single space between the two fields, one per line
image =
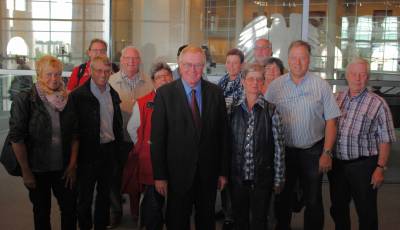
x=279 y=143
x=304 y=108
x=233 y=91
x=248 y=167
x=365 y=123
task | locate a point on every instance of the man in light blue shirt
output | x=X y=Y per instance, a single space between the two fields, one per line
x=309 y=111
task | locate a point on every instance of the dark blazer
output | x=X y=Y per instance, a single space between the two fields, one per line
x=30 y=123
x=177 y=148
x=87 y=109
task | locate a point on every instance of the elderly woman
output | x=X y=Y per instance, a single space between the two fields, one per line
x=273 y=69
x=139 y=127
x=42 y=137
x=257 y=142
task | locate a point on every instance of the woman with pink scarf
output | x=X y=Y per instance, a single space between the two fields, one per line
x=42 y=134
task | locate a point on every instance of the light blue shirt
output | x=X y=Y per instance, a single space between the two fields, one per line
x=106 y=112
x=188 y=92
x=304 y=108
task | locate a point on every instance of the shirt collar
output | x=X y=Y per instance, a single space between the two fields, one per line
x=188 y=89
x=289 y=78
x=358 y=96
x=95 y=89
x=260 y=102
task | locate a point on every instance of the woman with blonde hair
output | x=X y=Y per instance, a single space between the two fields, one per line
x=42 y=137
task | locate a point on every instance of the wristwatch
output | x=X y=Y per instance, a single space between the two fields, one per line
x=328 y=152
x=383 y=167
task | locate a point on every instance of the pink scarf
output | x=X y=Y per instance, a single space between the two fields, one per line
x=57 y=100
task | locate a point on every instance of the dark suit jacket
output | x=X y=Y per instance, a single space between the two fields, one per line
x=177 y=148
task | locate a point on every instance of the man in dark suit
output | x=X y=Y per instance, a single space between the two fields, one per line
x=188 y=144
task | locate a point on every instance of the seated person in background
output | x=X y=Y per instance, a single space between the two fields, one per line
x=139 y=128
x=42 y=127
x=258 y=153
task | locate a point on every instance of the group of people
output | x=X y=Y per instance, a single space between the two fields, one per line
x=256 y=133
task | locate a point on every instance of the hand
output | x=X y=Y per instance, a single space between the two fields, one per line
x=70 y=177
x=325 y=163
x=161 y=187
x=278 y=189
x=222 y=181
x=377 y=178
x=29 y=179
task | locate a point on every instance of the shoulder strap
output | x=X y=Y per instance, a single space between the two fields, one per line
x=81 y=71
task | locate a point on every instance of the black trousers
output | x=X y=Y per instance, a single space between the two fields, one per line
x=99 y=174
x=116 y=196
x=40 y=197
x=152 y=209
x=250 y=205
x=179 y=206
x=302 y=165
x=352 y=180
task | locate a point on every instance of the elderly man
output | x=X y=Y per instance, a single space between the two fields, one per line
x=262 y=51
x=188 y=143
x=365 y=132
x=130 y=84
x=96 y=106
x=309 y=112
x=80 y=74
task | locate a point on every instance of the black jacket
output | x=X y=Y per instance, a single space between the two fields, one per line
x=263 y=143
x=87 y=109
x=30 y=123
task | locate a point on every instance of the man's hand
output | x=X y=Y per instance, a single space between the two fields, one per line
x=377 y=178
x=70 y=177
x=325 y=163
x=29 y=179
x=278 y=188
x=161 y=187
x=222 y=181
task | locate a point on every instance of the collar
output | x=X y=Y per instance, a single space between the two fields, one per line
x=188 y=89
x=289 y=78
x=96 y=90
x=358 y=96
x=260 y=102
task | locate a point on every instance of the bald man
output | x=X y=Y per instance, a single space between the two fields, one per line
x=262 y=51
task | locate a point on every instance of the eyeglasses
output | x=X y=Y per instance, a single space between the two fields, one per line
x=197 y=66
x=131 y=58
x=263 y=47
x=161 y=76
x=255 y=79
x=102 y=51
x=102 y=71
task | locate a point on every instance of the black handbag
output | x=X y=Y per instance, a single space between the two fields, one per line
x=9 y=160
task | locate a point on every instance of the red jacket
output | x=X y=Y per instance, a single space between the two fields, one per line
x=142 y=146
x=73 y=79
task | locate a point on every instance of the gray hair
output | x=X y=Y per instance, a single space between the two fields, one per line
x=358 y=60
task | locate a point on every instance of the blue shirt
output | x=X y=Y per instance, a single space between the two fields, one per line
x=304 y=108
x=188 y=92
x=106 y=112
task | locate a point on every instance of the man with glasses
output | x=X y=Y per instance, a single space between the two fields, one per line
x=189 y=144
x=262 y=51
x=80 y=74
x=130 y=84
x=96 y=106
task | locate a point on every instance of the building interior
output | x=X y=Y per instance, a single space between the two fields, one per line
x=338 y=31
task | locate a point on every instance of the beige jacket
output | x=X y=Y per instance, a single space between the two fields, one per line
x=129 y=96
